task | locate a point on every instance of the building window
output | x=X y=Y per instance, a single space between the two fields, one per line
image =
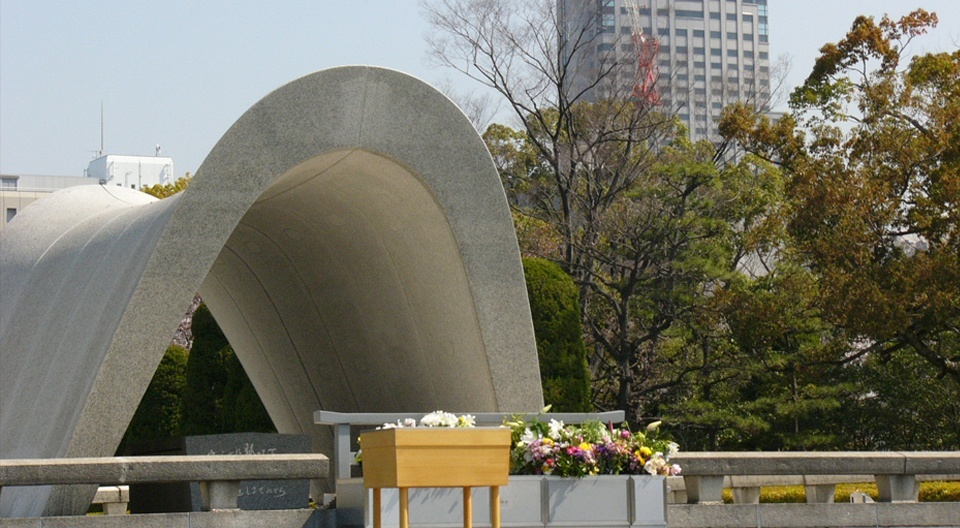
x=731 y=53
x=11 y=212
x=714 y=16
x=8 y=183
x=698 y=33
x=686 y=13
x=681 y=32
x=716 y=34
x=663 y=32
x=715 y=51
x=764 y=38
x=732 y=16
x=748 y=36
x=764 y=55
x=731 y=35
x=747 y=17
x=608 y=22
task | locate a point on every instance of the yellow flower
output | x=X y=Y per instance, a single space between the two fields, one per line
x=585 y=446
x=645 y=451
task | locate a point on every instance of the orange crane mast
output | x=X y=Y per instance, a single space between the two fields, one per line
x=647 y=49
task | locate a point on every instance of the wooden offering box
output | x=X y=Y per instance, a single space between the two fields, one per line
x=436 y=457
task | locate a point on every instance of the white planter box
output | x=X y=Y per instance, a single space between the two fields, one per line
x=528 y=501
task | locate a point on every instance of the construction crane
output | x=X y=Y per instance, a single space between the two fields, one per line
x=647 y=49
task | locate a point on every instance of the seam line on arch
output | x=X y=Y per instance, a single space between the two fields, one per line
x=363 y=105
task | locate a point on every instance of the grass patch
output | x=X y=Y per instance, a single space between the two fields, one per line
x=933 y=491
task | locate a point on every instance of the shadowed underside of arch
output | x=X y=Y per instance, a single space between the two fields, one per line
x=351 y=237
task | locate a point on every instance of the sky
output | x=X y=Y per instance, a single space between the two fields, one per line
x=178 y=73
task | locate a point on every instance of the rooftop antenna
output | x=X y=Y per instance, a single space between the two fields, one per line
x=100 y=153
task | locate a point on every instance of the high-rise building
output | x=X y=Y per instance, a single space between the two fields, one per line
x=707 y=54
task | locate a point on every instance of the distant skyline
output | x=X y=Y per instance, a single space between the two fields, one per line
x=178 y=73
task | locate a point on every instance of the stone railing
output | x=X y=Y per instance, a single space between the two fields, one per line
x=705 y=474
x=219 y=477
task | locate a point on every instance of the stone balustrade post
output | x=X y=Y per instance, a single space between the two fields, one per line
x=820 y=493
x=898 y=488
x=219 y=494
x=746 y=495
x=704 y=489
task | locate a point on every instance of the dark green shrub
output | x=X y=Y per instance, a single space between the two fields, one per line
x=159 y=413
x=220 y=397
x=244 y=412
x=555 y=307
x=206 y=376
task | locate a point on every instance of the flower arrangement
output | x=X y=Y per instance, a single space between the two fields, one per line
x=553 y=448
x=591 y=448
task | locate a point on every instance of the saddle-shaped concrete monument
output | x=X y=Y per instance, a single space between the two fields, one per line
x=349 y=233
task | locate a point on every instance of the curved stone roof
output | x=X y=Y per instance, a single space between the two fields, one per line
x=350 y=235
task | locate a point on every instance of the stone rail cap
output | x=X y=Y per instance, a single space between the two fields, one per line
x=131 y=470
x=817 y=463
x=932 y=462
x=341 y=418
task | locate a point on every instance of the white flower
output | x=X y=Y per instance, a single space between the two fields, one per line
x=408 y=422
x=555 y=428
x=439 y=419
x=467 y=420
x=390 y=426
x=527 y=437
x=672 y=449
x=654 y=426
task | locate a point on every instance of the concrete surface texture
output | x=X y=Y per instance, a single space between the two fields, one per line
x=349 y=233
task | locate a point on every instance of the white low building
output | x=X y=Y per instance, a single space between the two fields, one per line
x=17 y=191
x=131 y=172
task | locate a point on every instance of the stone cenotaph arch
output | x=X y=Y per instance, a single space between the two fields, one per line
x=349 y=233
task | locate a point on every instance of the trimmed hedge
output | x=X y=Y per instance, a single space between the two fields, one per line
x=931 y=491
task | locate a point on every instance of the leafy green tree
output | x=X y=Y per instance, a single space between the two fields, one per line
x=168 y=189
x=555 y=308
x=160 y=411
x=900 y=405
x=873 y=186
